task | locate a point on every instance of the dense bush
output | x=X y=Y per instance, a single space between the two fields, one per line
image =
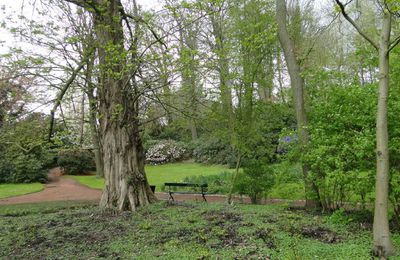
x=24 y=152
x=165 y=151
x=213 y=151
x=255 y=180
x=341 y=155
x=76 y=161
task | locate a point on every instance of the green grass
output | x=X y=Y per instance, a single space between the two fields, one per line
x=182 y=231
x=160 y=174
x=11 y=190
x=92 y=181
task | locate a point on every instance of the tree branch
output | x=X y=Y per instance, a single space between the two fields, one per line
x=394 y=43
x=62 y=92
x=139 y=19
x=86 y=4
x=350 y=20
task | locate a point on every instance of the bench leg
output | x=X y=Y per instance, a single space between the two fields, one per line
x=204 y=197
x=170 y=196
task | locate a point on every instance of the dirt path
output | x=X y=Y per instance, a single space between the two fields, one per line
x=61 y=188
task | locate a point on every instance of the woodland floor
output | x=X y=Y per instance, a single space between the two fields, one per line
x=182 y=230
x=65 y=223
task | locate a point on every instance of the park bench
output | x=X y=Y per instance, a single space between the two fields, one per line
x=196 y=189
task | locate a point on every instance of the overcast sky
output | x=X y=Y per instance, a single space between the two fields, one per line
x=14 y=8
x=8 y=7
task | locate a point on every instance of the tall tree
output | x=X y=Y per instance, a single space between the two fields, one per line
x=382 y=244
x=126 y=185
x=297 y=84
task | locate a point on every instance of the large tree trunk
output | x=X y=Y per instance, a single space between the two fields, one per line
x=382 y=244
x=297 y=84
x=126 y=186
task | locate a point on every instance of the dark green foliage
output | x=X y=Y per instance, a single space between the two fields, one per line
x=213 y=151
x=24 y=152
x=76 y=161
x=255 y=180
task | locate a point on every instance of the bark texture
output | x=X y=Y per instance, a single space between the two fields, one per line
x=297 y=84
x=126 y=186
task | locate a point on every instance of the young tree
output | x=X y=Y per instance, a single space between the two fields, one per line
x=297 y=84
x=382 y=244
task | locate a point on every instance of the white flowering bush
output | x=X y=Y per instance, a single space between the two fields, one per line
x=165 y=151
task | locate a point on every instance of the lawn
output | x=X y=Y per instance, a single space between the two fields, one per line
x=182 y=231
x=11 y=190
x=160 y=174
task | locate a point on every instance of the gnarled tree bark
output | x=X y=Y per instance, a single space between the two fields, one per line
x=126 y=185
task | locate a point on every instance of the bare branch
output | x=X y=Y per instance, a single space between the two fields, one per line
x=140 y=19
x=352 y=22
x=64 y=90
x=394 y=43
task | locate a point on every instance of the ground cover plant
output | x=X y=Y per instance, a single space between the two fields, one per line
x=182 y=231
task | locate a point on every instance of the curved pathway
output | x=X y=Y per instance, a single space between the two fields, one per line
x=61 y=188
x=58 y=189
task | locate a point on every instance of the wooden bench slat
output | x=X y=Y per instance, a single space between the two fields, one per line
x=183 y=184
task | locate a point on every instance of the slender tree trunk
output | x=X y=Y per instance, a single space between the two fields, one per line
x=94 y=130
x=297 y=83
x=219 y=48
x=188 y=44
x=82 y=126
x=265 y=80
x=280 y=81
x=126 y=186
x=235 y=176
x=382 y=244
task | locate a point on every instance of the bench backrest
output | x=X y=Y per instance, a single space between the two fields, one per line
x=183 y=184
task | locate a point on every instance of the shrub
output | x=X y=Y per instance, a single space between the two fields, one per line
x=24 y=151
x=76 y=161
x=213 y=151
x=255 y=180
x=165 y=151
x=290 y=191
x=219 y=183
